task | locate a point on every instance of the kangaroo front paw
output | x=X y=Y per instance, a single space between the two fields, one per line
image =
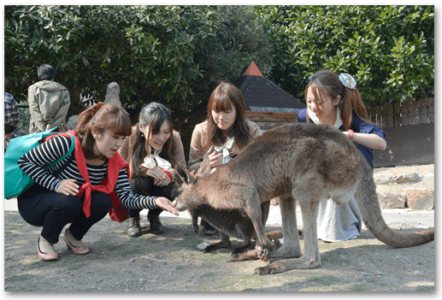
x=277 y=243
x=263 y=254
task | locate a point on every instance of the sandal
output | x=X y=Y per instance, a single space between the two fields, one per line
x=46 y=256
x=76 y=246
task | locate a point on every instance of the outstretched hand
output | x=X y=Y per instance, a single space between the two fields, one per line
x=165 y=204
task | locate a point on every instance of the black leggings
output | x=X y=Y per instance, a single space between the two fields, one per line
x=145 y=186
x=39 y=206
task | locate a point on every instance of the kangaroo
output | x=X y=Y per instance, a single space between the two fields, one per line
x=229 y=223
x=301 y=162
x=233 y=223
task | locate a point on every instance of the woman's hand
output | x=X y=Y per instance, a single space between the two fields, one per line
x=216 y=160
x=156 y=173
x=68 y=187
x=346 y=133
x=160 y=178
x=369 y=140
x=165 y=204
x=162 y=182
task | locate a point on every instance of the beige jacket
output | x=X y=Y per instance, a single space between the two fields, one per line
x=49 y=103
x=177 y=151
x=199 y=150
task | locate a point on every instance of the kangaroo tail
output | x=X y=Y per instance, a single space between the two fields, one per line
x=368 y=204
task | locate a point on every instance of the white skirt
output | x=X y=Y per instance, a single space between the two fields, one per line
x=338 y=223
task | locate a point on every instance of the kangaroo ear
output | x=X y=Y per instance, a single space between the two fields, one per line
x=184 y=175
x=205 y=168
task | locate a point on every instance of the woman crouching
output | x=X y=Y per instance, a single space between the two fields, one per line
x=65 y=193
x=152 y=151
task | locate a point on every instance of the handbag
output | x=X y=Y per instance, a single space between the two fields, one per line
x=17 y=181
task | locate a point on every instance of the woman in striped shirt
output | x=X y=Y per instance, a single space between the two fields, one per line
x=53 y=202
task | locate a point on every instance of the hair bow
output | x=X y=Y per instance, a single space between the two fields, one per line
x=347 y=80
x=96 y=107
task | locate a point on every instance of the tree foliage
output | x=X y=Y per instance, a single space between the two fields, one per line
x=388 y=49
x=171 y=54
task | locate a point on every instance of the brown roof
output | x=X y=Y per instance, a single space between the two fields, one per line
x=252 y=70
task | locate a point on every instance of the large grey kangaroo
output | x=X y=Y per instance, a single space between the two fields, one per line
x=302 y=162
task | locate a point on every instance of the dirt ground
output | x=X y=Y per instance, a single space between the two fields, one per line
x=172 y=263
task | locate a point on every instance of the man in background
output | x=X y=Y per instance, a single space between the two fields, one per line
x=49 y=102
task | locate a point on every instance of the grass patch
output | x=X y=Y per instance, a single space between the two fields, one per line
x=18 y=278
x=358 y=287
x=36 y=264
x=423 y=288
x=324 y=280
x=76 y=266
x=230 y=284
x=214 y=256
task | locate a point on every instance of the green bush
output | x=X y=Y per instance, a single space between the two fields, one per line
x=171 y=54
x=388 y=49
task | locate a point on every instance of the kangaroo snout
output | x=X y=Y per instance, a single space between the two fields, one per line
x=179 y=205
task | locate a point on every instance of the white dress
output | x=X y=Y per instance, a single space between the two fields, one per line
x=338 y=223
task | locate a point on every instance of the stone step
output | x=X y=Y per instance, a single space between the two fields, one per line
x=413 y=190
x=414 y=198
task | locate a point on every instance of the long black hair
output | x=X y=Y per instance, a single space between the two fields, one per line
x=153 y=115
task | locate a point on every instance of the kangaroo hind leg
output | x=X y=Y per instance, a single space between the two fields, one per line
x=311 y=258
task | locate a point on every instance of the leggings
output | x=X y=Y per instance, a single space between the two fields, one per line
x=145 y=186
x=39 y=206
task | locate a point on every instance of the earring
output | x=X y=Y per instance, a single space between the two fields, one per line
x=95 y=136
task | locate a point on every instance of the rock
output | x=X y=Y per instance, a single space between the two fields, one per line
x=419 y=198
x=383 y=178
x=72 y=122
x=414 y=177
x=203 y=245
x=392 y=200
x=113 y=94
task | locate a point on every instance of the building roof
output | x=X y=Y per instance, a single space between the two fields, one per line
x=260 y=94
x=252 y=70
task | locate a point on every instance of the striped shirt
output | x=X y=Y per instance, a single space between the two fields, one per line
x=32 y=164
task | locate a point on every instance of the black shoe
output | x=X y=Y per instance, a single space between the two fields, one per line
x=155 y=225
x=133 y=227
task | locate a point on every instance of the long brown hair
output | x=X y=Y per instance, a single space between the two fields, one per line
x=101 y=117
x=327 y=82
x=153 y=115
x=223 y=97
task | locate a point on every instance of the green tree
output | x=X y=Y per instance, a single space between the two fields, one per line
x=171 y=54
x=388 y=49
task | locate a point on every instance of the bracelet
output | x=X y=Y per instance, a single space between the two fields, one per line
x=169 y=175
x=352 y=133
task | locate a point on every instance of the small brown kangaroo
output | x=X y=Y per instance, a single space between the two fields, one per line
x=230 y=223
x=302 y=162
x=233 y=223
